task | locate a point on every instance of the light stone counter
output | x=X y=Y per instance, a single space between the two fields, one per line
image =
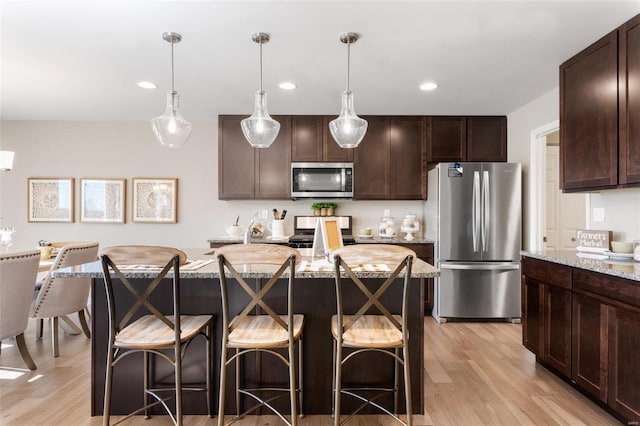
x=420 y=269
x=379 y=240
x=617 y=267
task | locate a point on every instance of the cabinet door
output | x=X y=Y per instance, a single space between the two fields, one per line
x=407 y=159
x=486 y=139
x=624 y=364
x=589 y=117
x=557 y=328
x=532 y=317
x=371 y=162
x=629 y=102
x=306 y=138
x=589 y=346
x=331 y=151
x=446 y=139
x=273 y=165
x=236 y=164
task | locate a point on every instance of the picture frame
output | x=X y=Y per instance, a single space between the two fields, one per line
x=103 y=200
x=50 y=200
x=155 y=200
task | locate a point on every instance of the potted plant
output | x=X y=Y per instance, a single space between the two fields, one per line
x=316 y=208
x=330 y=208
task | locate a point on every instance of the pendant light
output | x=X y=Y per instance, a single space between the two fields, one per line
x=348 y=129
x=170 y=128
x=260 y=129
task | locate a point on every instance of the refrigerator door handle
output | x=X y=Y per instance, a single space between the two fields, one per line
x=481 y=267
x=486 y=198
x=475 y=210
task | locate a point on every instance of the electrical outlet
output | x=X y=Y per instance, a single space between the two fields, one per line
x=598 y=214
x=387 y=213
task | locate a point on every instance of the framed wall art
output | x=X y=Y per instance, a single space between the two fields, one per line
x=155 y=200
x=50 y=200
x=103 y=200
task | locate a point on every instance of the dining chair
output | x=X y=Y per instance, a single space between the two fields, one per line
x=374 y=327
x=59 y=297
x=138 y=323
x=275 y=332
x=18 y=270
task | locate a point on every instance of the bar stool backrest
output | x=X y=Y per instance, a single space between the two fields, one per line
x=233 y=256
x=398 y=259
x=167 y=259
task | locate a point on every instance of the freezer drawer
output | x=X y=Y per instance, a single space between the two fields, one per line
x=479 y=290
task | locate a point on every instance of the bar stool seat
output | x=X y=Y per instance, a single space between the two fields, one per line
x=149 y=333
x=262 y=331
x=368 y=331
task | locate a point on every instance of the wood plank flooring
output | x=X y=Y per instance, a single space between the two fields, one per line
x=475 y=374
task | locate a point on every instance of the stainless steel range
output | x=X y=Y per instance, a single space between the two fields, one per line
x=304 y=227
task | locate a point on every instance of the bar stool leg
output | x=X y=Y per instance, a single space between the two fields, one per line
x=333 y=380
x=178 y=372
x=209 y=340
x=396 y=381
x=145 y=381
x=238 y=367
x=407 y=385
x=300 y=377
x=338 y=366
x=292 y=383
x=107 y=388
x=223 y=381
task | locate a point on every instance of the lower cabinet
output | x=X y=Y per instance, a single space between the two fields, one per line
x=546 y=313
x=588 y=332
x=424 y=252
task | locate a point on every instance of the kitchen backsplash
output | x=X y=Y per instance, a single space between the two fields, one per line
x=621 y=212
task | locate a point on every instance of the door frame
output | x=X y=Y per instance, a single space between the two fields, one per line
x=537 y=177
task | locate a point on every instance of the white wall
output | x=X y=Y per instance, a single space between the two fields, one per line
x=621 y=212
x=129 y=149
x=520 y=123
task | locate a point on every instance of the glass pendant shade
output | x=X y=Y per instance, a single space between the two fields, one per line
x=260 y=129
x=348 y=129
x=170 y=128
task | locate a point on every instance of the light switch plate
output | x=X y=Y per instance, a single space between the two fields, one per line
x=387 y=213
x=598 y=214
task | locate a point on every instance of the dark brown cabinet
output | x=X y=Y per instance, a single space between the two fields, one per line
x=546 y=311
x=600 y=113
x=589 y=117
x=629 y=102
x=389 y=163
x=311 y=140
x=250 y=173
x=597 y=347
x=482 y=138
x=424 y=252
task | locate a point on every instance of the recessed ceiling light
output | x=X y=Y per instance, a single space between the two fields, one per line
x=428 y=86
x=146 y=85
x=287 y=86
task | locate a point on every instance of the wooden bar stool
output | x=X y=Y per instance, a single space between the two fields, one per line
x=250 y=333
x=364 y=332
x=166 y=336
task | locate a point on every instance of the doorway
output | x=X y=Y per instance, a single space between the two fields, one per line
x=566 y=207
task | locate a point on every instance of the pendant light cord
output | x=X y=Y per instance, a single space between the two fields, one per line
x=348 y=63
x=260 y=65
x=172 y=90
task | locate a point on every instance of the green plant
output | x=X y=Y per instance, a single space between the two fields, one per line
x=316 y=206
x=329 y=205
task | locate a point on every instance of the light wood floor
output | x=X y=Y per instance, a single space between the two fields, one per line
x=475 y=374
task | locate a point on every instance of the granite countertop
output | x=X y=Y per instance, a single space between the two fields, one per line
x=420 y=269
x=617 y=267
x=359 y=240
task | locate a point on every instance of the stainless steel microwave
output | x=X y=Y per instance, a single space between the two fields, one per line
x=321 y=180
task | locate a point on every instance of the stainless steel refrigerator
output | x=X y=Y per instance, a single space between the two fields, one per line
x=473 y=214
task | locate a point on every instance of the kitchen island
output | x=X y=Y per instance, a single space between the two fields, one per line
x=314 y=297
x=581 y=318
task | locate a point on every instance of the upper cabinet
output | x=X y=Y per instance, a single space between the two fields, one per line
x=389 y=163
x=600 y=113
x=589 y=117
x=312 y=141
x=252 y=173
x=477 y=138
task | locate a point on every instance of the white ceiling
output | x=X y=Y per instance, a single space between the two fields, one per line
x=80 y=60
